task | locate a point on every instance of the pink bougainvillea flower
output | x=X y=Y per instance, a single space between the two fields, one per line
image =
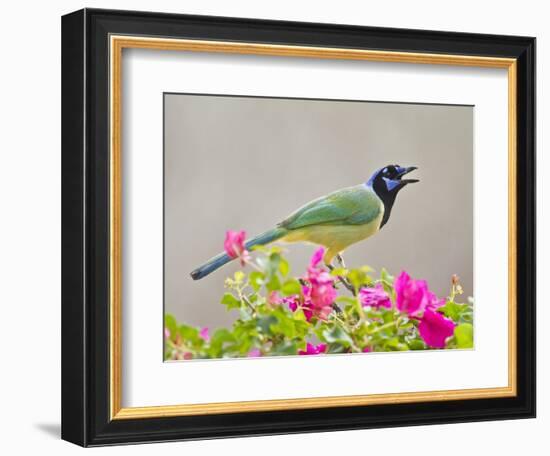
x=435 y=302
x=321 y=292
x=319 y=295
x=296 y=302
x=318 y=300
x=254 y=353
x=410 y=294
x=413 y=296
x=184 y=356
x=292 y=302
x=316 y=257
x=367 y=349
x=204 y=333
x=313 y=349
x=375 y=297
x=166 y=333
x=434 y=328
x=274 y=299
x=234 y=245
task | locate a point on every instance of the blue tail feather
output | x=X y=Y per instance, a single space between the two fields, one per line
x=266 y=237
x=215 y=263
x=219 y=260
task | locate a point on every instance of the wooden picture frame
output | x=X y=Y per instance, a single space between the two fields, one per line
x=92 y=46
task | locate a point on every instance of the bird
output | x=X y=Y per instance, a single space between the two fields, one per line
x=334 y=221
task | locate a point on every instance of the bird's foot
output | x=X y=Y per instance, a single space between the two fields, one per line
x=341 y=279
x=340 y=259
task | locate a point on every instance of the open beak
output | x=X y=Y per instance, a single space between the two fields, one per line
x=404 y=171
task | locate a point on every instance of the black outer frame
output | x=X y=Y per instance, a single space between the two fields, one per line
x=85 y=227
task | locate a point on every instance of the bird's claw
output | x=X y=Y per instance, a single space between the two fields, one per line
x=341 y=279
x=340 y=259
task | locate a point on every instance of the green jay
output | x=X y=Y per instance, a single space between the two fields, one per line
x=336 y=220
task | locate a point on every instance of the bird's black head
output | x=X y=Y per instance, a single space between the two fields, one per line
x=386 y=182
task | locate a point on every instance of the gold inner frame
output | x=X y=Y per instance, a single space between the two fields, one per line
x=117 y=44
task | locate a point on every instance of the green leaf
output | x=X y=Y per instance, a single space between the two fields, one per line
x=416 y=344
x=336 y=348
x=256 y=280
x=274 y=261
x=300 y=316
x=262 y=262
x=245 y=314
x=245 y=329
x=284 y=267
x=346 y=301
x=388 y=317
x=386 y=276
x=220 y=337
x=464 y=334
x=291 y=287
x=172 y=326
x=285 y=327
x=357 y=278
x=457 y=312
x=387 y=281
x=339 y=272
x=395 y=344
x=274 y=284
x=263 y=324
x=337 y=335
x=230 y=301
x=285 y=348
x=190 y=335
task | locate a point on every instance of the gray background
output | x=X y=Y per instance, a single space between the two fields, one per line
x=246 y=163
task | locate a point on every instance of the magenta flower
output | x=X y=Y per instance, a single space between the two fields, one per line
x=317 y=257
x=435 y=302
x=273 y=299
x=412 y=296
x=321 y=292
x=166 y=333
x=317 y=297
x=434 y=328
x=375 y=297
x=204 y=333
x=313 y=349
x=234 y=245
x=367 y=349
x=254 y=353
x=292 y=302
x=300 y=302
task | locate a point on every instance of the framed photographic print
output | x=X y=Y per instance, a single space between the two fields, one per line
x=279 y=227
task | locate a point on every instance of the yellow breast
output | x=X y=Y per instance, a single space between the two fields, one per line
x=336 y=238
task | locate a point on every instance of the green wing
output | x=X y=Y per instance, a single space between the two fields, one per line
x=350 y=206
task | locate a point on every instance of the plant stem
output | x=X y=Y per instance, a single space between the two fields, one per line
x=249 y=304
x=387 y=325
x=343 y=281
